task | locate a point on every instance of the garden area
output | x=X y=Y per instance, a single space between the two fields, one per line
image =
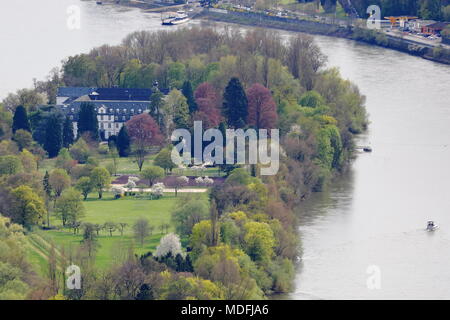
x=115 y=245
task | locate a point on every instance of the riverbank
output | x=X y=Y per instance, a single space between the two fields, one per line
x=436 y=54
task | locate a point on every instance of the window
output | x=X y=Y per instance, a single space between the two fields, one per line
x=109 y=125
x=124 y=118
x=117 y=126
x=140 y=110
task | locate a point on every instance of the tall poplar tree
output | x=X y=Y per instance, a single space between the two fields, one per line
x=53 y=136
x=123 y=142
x=20 y=120
x=68 y=136
x=189 y=94
x=87 y=120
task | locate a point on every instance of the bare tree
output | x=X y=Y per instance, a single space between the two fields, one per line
x=141 y=230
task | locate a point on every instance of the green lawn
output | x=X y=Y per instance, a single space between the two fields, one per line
x=127 y=210
x=129 y=166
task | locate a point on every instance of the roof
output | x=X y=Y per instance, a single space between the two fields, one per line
x=115 y=104
x=438 y=25
x=106 y=94
x=121 y=94
x=74 y=92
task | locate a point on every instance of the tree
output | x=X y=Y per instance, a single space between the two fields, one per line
x=87 y=120
x=100 y=179
x=164 y=160
x=144 y=132
x=189 y=94
x=259 y=241
x=84 y=185
x=123 y=142
x=69 y=208
x=90 y=234
x=175 y=112
x=10 y=165
x=46 y=184
x=430 y=9
x=179 y=183
x=188 y=211
x=80 y=151
x=121 y=226
x=152 y=173
x=67 y=135
x=206 y=91
x=28 y=161
x=304 y=59
x=110 y=227
x=27 y=207
x=262 y=110
x=65 y=161
x=141 y=230
x=20 y=120
x=235 y=104
x=14 y=270
x=156 y=106
x=114 y=155
x=23 y=139
x=170 y=243
x=208 y=113
x=53 y=135
x=312 y=99
x=59 y=181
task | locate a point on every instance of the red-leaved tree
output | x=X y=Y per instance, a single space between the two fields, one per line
x=206 y=90
x=207 y=101
x=144 y=132
x=262 y=110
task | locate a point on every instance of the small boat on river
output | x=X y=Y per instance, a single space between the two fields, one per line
x=431 y=226
x=174 y=19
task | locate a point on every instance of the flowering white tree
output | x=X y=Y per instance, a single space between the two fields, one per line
x=199 y=180
x=130 y=185
x=208 y=181
x=169 y=243
x=133 y=178
x=158 y=190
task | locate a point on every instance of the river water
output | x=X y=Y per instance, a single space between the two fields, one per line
x=362 y=238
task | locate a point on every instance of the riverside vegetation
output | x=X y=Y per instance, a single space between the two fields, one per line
x=238 y=241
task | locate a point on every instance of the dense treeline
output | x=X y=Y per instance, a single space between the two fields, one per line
x=425 y=9
x=244 y=243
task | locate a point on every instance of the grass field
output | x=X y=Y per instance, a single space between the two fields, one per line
x=110 y=248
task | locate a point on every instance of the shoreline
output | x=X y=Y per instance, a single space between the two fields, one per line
x=436 y=54
x=251 y=19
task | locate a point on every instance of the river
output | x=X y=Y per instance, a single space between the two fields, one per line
x=371 y=219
